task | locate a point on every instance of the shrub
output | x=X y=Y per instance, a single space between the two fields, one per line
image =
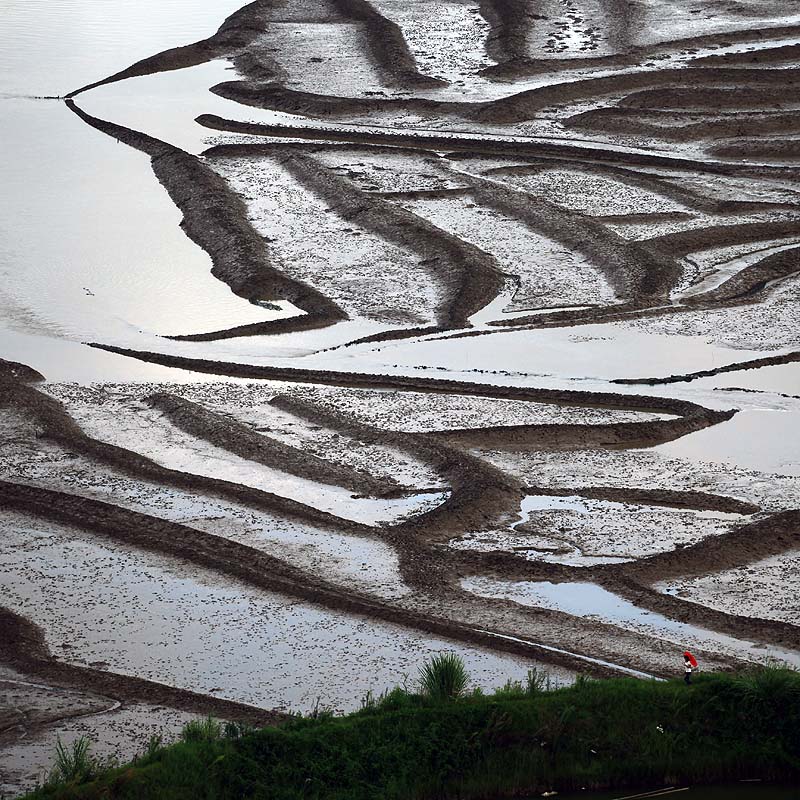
x=444 y=677
x=73 y=764
x=537 y=681
x=202 y=730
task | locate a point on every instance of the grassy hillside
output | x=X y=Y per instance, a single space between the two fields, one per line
x=611 y=733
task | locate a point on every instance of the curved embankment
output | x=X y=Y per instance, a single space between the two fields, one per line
x=635 y=272
x=780 y=54
x=411 y=383
x=484 y=143
x=387 y=47
x=525 y=105
x=739 y=366
x=668 y=498
x=744 y=544
x=510 y=21
x=681 y=243
x=523 y=67
x=215 y=218
x=580 y=437
x=276 y=97
x=258 y=569
x=766 y=149
x=480 y=495
x=626 y=121
x=746 y=287
x=241 y=440
x=470 y=276
x=23 y=646
x=60 y=428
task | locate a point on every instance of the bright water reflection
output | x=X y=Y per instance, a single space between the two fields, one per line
x=51 y=47
x=591 y=601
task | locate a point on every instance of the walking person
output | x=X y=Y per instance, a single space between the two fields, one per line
x=689 y=665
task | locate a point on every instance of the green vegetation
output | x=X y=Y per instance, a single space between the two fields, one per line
x=75 y=764
x=524 y=739
x=444 y=677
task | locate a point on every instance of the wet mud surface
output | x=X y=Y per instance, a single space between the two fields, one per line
x=515 y=373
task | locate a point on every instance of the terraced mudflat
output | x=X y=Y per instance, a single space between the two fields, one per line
x=357 y=331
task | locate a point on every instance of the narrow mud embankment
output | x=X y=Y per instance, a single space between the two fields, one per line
x=277 y=97
x=240 y=439
x=668 y=498
x=258 y=569
x=525 y=105
x=60 y=428
x=216 y=220
x=773 y=535
x=582 y=436
x=634 y=271
x=757 y=363
x=470 y=276
x=682 y=243
x=487 y=144
x=480 y=494
x=661 y=125
x=411 y=383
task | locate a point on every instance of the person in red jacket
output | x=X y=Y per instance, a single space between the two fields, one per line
x=689 y=665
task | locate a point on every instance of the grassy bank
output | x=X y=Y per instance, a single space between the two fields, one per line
x=521 y=740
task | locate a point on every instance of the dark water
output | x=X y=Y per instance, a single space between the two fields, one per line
x=737 y=791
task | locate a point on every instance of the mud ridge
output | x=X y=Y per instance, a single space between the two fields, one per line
x=238 y=438
x=684 y=242
x=22 y=645
x=276 y=97
x=480 y=493
x=389 y=49
x=255 y=568
x=750 y=281
x=469 y=274
x=524 y=105
x=633 y=270
x=366 y=380
x=617 y=120
x=215 y=218
x=745 y=544
x=487 y=144
x=766 y=149
x=510 y=22
x=769 y=361
x=668 y=498
x=60 y=428
x=531 y=66
x=519 y=438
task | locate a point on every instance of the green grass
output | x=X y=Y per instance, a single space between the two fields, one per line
x=523 y=740
x=444 y=677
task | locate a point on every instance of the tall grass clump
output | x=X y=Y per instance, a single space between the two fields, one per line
x=444 y=677
x=769 y=684
x=74 y=764
x=202 y=730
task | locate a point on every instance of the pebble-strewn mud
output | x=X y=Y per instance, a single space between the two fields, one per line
x=518 y=376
